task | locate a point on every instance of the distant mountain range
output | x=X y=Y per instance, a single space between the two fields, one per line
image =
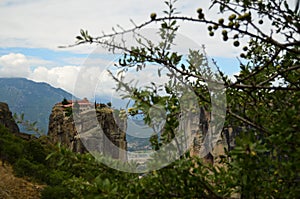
x=33 y=99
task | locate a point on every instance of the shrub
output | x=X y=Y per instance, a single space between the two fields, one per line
x=55 y=192
x=37 y=172
x=35 y=152
x=56 y=177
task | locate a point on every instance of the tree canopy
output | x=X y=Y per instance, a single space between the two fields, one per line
x=262 y=103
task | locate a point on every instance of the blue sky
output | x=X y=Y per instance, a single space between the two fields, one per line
x=32 y=30
x=227 y=64
x=43 y=53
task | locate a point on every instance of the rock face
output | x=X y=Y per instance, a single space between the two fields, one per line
x=61 y=128
x=103 y=131
x=212 y=145
x=98 y=131
x=7 y=120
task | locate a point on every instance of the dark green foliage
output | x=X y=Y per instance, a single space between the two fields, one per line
x=68 y=111
x=11 y=147
x=109 y=104
x=35 y=152
x=56 y=177
x=181 y=180
x=55 y=192
x=37 y=172
x=65 y=102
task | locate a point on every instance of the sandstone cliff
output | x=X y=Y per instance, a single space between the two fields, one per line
x=93 y=130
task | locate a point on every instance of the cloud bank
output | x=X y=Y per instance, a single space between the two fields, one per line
x=18 y=65
x=49 y=24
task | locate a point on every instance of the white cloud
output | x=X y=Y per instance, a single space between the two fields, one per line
x=86 y=82
x=49 y=24
x=233 y=76
x=13 y=59
x=53 y=23
x=80 y=80
x=63 y=77
x=14 y=65
x=18 y=65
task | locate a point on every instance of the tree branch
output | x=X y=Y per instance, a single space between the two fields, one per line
x=189 y=19
x=247 y=121
x=279 y=73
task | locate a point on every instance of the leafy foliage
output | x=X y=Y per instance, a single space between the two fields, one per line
x=263 y=103
x=65 y=102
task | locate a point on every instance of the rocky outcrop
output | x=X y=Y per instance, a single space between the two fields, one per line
x=205 y=143
x=103 y=131
x=61 y=128
x=7 y=120
x=94 y=130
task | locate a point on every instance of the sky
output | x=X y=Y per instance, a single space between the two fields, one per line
x=32 y=30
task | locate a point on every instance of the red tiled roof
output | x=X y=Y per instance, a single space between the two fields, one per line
x=84 y=101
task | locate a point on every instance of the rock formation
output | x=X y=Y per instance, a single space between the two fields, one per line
x=103 y=131
x=210 y=144
x=94 y=130
x=7 y=120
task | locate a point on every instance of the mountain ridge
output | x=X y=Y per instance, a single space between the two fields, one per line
x=33 y=99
